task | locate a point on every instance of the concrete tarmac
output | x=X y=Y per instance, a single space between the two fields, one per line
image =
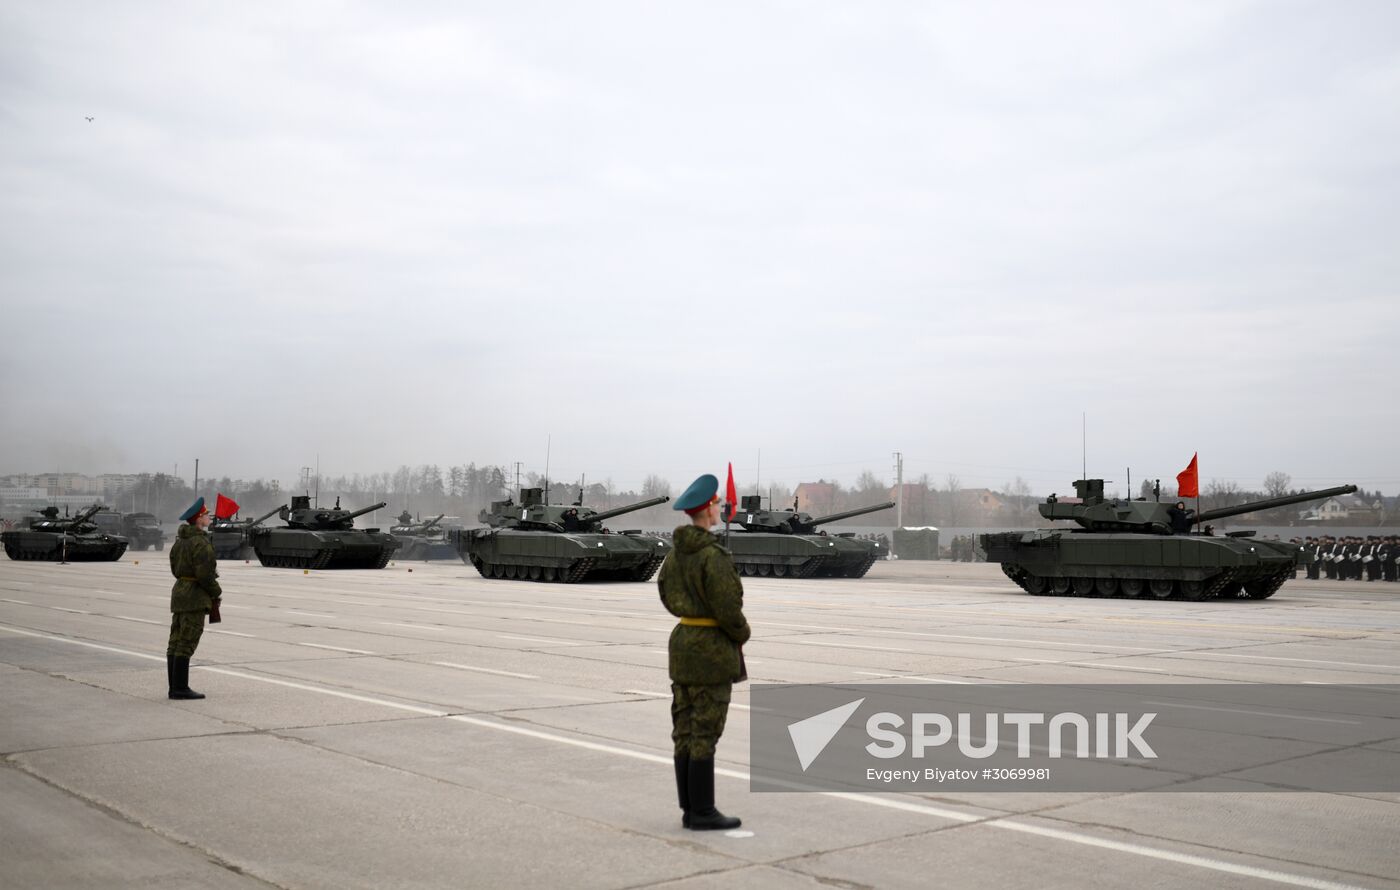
x=421 y=726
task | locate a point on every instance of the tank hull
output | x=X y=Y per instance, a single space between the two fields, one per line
x=528 y=555
x=420 y=547
x=1054 y=562
x=294 y=548
x=51 y=547
x=803 y=556
x=231 y=544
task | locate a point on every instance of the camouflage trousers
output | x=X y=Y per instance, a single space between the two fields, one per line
x=185 y=630
x=697 y=718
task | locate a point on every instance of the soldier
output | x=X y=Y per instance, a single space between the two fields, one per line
x=196 y=593
x=700 y=586
x=1314 y=556
x=1327 y=552
x=1391 y=557
x=1180 y=518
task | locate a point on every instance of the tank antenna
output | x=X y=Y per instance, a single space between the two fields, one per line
x=548 y=441
x=1084 y=444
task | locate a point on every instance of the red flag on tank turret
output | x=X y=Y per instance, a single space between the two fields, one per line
x=731 y=495
x=224 y=508
x=1188 y=481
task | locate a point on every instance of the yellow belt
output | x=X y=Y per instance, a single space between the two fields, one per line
x=698 y=622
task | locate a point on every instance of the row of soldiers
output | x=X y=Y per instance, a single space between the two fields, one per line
x=1372 y=558
x=963 y=549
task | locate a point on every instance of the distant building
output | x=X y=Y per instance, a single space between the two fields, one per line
x=816 y=497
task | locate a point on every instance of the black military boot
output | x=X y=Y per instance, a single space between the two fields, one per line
x=683 y=787
x=182 y=688
x=703 y=815
x=170 y=675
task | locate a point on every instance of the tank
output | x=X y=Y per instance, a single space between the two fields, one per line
x=317 y=538
x=1128 y=548
x=232 y=538
x=789 y=544
x=73 y=538
x=535 y=541
x=422 y=540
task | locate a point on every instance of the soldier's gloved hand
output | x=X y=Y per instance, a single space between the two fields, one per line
x=214 y=616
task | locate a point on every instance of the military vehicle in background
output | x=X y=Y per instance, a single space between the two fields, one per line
x=788 y=543
x=422 y=540
x=1128 y=548
x=143 y=530
x=73 y=538
x=232 y=538
x=536 y=541
x=319 y=538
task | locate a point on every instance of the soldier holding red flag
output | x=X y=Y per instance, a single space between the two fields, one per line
x=196 y=593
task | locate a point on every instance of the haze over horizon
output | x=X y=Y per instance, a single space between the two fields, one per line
x=651 y=239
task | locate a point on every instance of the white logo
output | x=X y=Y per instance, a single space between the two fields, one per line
x=811 y=736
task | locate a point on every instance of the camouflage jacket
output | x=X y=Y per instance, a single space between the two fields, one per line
x=698 y=580
x=192 y=557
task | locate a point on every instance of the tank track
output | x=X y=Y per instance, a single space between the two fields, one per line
x=18 y=553
x=645 y=571
x=1223 y=586
x=809 y=568
x=860 y=570
x=573 y=573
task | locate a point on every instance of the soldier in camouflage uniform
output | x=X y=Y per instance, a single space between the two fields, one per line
x=700 y=586
x=196 y=593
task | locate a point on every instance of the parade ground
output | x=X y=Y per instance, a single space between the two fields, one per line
x=423 y=727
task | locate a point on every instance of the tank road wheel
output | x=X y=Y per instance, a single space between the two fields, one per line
x=1059 y=586
x=498 y=570
x=1193 y=590
x=1106 y=586
x=1083 y=586
x=764 y=569
x=535 y=573
x=548 y=573
x=1161 y=588
x=1133 y=586
x=780 y=571
x=1035 y=585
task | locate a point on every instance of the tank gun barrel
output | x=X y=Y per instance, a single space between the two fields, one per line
x=434 y=521
x=85 y=514
x=268 y=515
x=847 y=514
x=626 y=508
x=1270 y=503
x=358 y=513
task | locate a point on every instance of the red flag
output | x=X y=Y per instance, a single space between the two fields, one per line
x=1188 y=481
x=224 y=508
x=731 y=495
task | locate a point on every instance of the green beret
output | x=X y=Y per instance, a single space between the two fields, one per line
x=700 y=493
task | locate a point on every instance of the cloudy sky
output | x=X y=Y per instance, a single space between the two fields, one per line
x=655 y=237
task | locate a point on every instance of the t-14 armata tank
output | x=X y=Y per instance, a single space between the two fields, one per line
x=536 y=541
x=315 y=538
x=787 y=543
x=232 y=538
x=1129 y=548
x=422 y=540
x=72 y=539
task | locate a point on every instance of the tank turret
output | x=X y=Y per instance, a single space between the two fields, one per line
x=1096 y=513
x=62 y=538
x=752 y=517
x=303 y=515
x=534 y=514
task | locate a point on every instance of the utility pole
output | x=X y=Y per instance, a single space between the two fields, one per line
x=898 y=495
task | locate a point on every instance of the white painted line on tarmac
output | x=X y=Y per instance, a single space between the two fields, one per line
x=538 y=640
x=1116 y=667
x=852 y=646
x=16 y=602
x=233 y=633
x=468 y=667
x=438 y=630
x=732 y=704
x=309 y=614
x=1167 y=704
x=893 y=803
x=1360 y=664
x=877 y=631
x=141 y=620
x=337 y=648
x=912 y=677
x=74 y=611
x=659 y=652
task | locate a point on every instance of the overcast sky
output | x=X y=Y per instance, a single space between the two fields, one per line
x=662 y=236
